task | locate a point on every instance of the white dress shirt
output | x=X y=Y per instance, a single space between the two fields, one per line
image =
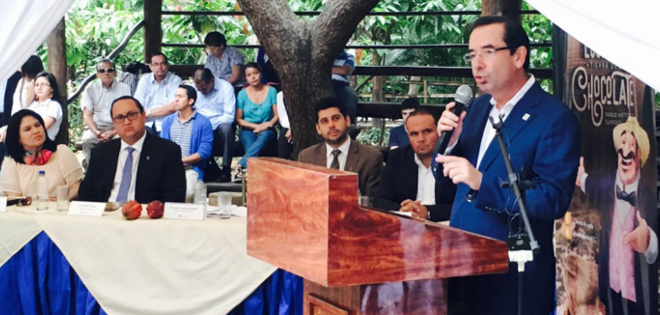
x=219 y=106
x=281 y=111
x=497 y=114
x=123 y=155
x=425 y=183
x=152 y=94
x=342 y=156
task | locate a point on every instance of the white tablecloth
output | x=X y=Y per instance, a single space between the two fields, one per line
x=147 y=266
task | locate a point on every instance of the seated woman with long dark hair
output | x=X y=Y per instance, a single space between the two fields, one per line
x=47 y=102
x=30 y=150
x=256 y=113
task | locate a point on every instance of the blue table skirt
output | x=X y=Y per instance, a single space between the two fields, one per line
x=39 y=280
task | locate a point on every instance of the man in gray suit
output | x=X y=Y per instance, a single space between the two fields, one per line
x=338 y=151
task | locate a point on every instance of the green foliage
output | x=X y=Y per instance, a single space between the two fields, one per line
x=372 y=136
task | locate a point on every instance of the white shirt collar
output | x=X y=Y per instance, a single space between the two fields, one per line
x=343 y=148
x=516 y=98
x=153 y=78
x=137 y=145
x=420 y=163
x=112 y=85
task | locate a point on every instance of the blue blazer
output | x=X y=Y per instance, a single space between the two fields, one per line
x=543 y=138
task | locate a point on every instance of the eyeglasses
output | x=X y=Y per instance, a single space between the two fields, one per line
x=109 y=70
x=41 y=84
x=121 y=118
x=487 y=52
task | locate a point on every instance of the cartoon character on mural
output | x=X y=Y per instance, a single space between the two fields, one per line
x=628 y=243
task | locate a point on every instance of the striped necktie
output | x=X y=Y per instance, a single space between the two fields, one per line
x=335 y=159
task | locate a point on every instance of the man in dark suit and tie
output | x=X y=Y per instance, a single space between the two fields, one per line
x=338 y=151
x=407 y=183
x=542 y=136
x=138 y=166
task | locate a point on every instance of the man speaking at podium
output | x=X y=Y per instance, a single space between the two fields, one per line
x=542 y=136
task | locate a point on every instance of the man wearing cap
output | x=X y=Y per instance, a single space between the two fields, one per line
x=626 y=239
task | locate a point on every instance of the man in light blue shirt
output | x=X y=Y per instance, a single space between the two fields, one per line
x=156 y=91
x=216 y=101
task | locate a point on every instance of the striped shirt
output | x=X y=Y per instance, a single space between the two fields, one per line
x=343 y=59
x=181 y=133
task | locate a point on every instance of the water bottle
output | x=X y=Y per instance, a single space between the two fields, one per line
x=200 y=192
x=42 y=192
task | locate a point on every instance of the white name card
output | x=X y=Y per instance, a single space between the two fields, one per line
x=183 y=211
x=3 y=203
x=94 y=209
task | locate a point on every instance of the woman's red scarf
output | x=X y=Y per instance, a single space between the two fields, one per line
x=39 y=158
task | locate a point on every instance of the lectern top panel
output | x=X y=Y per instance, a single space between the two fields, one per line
x=306 y=219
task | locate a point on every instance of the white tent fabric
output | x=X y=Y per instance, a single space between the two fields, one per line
x=623 y=32
x=24 y=25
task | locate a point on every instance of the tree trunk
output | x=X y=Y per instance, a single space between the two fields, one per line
x=510 y=8
x=153 y=32
x=302 y=51
x=56 y=43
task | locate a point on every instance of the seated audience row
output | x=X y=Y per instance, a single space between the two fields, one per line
x=145 y=168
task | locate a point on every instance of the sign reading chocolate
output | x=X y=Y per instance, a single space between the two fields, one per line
x=592 y=92
x=597 y=83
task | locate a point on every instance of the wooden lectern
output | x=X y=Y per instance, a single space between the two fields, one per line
x=306 y=219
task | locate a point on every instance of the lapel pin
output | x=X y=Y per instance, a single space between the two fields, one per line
x=525 y=117
x=148 y=158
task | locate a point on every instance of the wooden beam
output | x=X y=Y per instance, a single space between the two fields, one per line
x=186 y=71
x=510 y=8
x=56 y=43
x=153 y=33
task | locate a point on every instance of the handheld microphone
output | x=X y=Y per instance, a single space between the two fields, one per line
x=462 y=99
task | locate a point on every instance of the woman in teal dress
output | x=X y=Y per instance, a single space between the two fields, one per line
x=256 y=113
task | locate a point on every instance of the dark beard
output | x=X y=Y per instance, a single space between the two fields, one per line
x=340 y=140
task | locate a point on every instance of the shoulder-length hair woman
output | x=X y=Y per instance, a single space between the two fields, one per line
x=30 y=151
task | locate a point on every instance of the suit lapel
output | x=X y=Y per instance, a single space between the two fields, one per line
x=320 y=155
x=521 y=115
x=353 y=157
x=411 y=171
x=144 y=164
x=109 y=180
